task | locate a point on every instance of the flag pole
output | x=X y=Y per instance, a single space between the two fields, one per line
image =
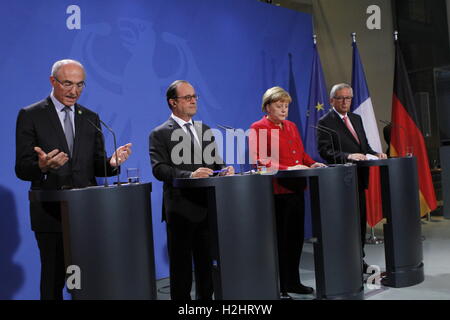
x=372 y=239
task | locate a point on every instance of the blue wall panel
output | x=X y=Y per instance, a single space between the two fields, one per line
x=230 y=50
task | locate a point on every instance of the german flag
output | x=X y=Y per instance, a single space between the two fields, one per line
x=406 y=136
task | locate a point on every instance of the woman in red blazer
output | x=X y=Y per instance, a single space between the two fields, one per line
x=276 y=144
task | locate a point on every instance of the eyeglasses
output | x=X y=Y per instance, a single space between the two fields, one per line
x=188 y=98
x=69 y=84
x=343 y=98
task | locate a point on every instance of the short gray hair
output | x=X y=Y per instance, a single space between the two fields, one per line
x=58 y=64
x=338 y=87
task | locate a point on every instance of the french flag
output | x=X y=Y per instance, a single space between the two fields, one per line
x=362 y=105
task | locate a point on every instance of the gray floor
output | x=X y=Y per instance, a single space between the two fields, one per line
x=436 y=250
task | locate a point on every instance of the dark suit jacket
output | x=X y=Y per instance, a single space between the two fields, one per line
x=38 y=125
x=189 y=203
x=348 y=143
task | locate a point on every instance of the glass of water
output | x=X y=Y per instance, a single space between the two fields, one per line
x=133 y=175
x=409 y=151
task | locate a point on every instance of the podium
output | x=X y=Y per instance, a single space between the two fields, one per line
x=402 y=231
x=445 y=165
x=336 y=229
x=243 y=235
x=107 y=233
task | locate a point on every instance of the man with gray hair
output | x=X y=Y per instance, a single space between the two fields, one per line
x=56 y=148
x=346 y=140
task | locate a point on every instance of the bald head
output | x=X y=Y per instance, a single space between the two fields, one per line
x=67 y=80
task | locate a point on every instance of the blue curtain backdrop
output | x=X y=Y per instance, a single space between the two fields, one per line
x=230 y=50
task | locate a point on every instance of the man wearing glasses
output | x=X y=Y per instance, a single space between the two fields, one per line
x=56 y=148
x=185 y=211
x=346 y=141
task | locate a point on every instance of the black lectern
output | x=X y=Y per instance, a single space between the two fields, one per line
x=243 y=244
x=336 y=226
x=108 y=234
x=402 y=231
x=445 y=177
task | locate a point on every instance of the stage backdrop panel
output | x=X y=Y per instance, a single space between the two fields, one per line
x=230 y=50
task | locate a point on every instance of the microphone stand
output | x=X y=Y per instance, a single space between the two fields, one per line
x=331 y=138
x=105 y=184
x=237 y=146
x=115 y=149
x=339 y=139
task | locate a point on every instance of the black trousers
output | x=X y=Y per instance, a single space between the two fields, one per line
x=53 y=272
x=363 y=214
x=290 y=219
x=189 y=241
x=362 y=186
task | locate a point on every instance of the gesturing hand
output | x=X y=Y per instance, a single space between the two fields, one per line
x=52 y=160
x=123 y=152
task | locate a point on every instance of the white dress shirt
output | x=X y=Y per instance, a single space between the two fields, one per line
x=182 y=123
x=342 y=118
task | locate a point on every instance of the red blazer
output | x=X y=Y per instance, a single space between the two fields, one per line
x=290 y=146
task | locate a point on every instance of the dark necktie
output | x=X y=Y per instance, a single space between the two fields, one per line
x=194 y=144
x=191 y=134
x=68 y=129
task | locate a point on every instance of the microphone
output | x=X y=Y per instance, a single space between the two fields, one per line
x=225 y=127
x=115 y=148
x=104 y=154
x=393 y=124
x=338 y=137
x=237 y=147
x=331 y=138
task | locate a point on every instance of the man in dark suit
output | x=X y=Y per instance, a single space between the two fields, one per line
x=184 y=210
x=57 y=147
x=347 y=141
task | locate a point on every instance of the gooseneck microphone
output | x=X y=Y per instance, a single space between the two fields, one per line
x=104 y=151
x=225 y=127
x=396 y=125
x=338 y=137
x=331 y=138
x=115 y=148
x=237 y=146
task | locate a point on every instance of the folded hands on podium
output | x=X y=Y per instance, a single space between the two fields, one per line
x=206 y=172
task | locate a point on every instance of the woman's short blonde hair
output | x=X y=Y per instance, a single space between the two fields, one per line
x=273 y=95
